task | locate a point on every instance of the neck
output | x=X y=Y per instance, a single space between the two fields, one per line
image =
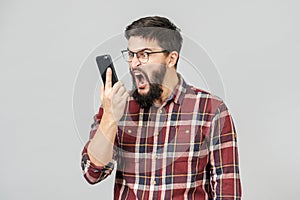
x=169 y=84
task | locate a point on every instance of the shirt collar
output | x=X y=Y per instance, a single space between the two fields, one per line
x=178 y=93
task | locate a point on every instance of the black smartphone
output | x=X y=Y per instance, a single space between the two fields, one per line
x=104 y=62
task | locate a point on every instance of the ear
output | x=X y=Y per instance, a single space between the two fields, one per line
x=172 y=59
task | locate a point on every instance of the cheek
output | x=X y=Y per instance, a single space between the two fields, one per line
x=154 y=71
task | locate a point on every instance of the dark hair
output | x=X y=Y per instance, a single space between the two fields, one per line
x=156 y=28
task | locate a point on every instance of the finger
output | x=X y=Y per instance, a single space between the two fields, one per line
x=102 y=93
x=122 y=98
x=117 y=86
x=125 y=95
x=108 y=78
x=121 y=90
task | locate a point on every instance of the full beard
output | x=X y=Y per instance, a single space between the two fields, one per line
x=155 y=89
x=146 y=100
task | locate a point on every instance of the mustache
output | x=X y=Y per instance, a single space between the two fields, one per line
x=155 y=77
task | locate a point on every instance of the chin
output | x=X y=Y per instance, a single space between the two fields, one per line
x=143 y=91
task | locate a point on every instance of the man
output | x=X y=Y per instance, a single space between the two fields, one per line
x=169 y=139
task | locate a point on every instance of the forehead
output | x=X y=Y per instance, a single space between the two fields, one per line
x=136 y=43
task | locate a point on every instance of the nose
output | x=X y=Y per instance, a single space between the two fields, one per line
x=135 y=62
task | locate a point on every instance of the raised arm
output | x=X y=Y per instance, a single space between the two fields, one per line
x=98 y=153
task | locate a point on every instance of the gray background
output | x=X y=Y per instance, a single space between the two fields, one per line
x=254 y=44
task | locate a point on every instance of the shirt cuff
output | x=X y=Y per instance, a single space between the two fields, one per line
x=94 y=173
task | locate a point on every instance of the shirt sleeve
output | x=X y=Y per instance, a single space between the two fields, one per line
x=225 y=179
x=91 y=172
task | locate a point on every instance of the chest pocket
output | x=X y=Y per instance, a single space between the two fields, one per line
x=127 y=136
x=189 y=143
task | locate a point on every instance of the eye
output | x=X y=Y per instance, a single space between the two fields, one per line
x=130 y=54
x=143 y=54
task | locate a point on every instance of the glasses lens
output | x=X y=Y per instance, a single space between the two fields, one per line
x=126 y=56
x=143 y=56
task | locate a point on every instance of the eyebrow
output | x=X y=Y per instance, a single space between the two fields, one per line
x=140 y=50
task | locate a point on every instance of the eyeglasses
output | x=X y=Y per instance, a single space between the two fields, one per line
x=142 y=55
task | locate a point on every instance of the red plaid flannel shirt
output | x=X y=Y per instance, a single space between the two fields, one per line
x=184 y=149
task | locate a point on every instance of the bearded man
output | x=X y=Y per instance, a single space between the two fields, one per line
x=168 y=139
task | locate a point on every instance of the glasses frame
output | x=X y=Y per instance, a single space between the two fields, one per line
x=143 y=50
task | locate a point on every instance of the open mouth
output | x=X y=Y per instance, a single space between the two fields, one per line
x=140 y=80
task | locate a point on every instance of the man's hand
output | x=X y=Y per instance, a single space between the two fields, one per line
x=113 y=98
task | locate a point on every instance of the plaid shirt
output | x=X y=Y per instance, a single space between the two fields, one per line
x=184 y=149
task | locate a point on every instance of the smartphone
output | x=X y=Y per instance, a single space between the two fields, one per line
x=104 y=62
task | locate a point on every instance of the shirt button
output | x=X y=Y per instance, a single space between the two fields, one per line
x=129 y=131
x=187 y=131
x=156 y=133
x=154 y=182
x=160 y=111
x=155 y=156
